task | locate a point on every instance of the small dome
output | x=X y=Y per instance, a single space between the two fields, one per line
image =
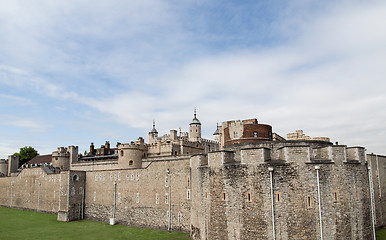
x=195 y=120
x=216 y=132
x=153 y=130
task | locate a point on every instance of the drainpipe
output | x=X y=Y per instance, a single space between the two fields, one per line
x=112 y=220
x=11 y=194
x=319 y=203
x=372 y=201
x=170 y=202
x=39 y=196
x=270 y=169
x=82 y=210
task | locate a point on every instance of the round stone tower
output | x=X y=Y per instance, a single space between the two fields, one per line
x=61 y=158
x=195 y=129
x=130 y=154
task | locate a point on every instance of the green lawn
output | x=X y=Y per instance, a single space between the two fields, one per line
x=18 y=224
x=381 y=234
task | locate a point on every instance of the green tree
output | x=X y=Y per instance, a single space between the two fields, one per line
x=25 y=154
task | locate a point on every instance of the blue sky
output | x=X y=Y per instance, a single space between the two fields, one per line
x=75 y=72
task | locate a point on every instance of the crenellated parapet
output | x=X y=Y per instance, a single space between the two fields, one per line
x=296 y=154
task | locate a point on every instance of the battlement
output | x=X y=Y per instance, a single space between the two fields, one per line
x=296 y=154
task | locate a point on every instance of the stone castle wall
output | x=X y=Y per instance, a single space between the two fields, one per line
x=219 y=195
x=231 y=196
x=33 y=189
x=142 y=194
x=377 y=165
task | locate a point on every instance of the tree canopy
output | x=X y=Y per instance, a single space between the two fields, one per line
x=25 y=154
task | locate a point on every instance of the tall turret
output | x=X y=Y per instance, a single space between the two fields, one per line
x=153 y=134
x=13 y=164
x=216 y=135
x=195 y=129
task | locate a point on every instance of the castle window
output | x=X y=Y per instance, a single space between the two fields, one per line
x=179 y=217
x=111 y=176
x=335 y=196
x=206 y=194
x=156 y=198
x=196 y=129
x=127 y=176
x=166 y=198
x=119 y=176
x=309 y=202
x=131 y=163
x=76 y=178
x=166 y=181
x=188 y=182
x=224 y=196
x=100 y=176
x=278 y=197
x=255 y=134
x=121 y=153
x=137 y=200
x=249 y=197
x=137 y=176
x=356 y=195
x=94 y=196
x=96 y=177
x=235 y=135
x=188 y=194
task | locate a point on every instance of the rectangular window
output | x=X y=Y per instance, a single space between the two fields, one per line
x=206 y=194
x=309 y=202
x=357 y=195
x=188 y=194
x=255 y=135
x=166 y=198
x=96 y=177
x=179 y=217
x=127 y=176
x=137 y=176
x=94 y=196
x=224 y=196
x=137 y=200
x=249 y=197
x=119 y=176
x=111 y=176
x=132 y=176
x=166 y=181
x=278 y=197
x=156 y=198
x=100 y=176
x=335 y=196
x=188 y=182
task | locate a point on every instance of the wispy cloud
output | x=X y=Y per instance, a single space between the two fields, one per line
x=298 y=64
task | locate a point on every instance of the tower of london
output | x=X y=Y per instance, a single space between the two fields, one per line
x=248 y=182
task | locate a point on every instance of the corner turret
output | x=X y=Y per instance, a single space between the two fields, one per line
x=195 y=129
x=153 y=134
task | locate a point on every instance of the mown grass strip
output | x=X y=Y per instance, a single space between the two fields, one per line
x=19 y=224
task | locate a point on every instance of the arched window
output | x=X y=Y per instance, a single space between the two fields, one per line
x=131 y=162
x=121 y=153
x=255 y=135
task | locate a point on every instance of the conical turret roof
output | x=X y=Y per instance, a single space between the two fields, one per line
x=195 y=120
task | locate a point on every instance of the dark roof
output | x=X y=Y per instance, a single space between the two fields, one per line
x=41 y=159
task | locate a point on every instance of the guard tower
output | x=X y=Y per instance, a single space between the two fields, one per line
x=195 y=129
x=153 y=134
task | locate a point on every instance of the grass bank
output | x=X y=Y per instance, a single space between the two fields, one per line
x=19 y=224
